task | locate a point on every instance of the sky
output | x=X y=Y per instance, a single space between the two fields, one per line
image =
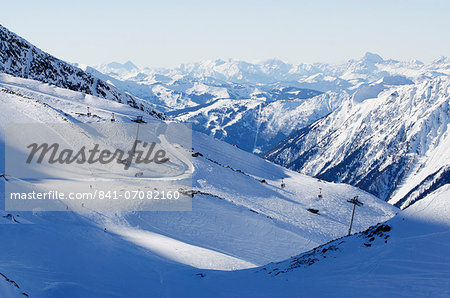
x=166 y=33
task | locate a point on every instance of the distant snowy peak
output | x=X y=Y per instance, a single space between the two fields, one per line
x=129 y=66
x=319 y=76
x=442 y=60
x=231 y=70
x=215 y=94
x=372 y=58
x=20 y=58
x=394 y=146
x=118 y=70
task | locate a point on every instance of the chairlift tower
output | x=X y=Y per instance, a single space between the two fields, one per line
x=355 y=203
x=138 y=120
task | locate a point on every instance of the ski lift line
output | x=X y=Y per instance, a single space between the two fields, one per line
x=260 y=209
x=249 y=166
x=244 y=162
x=46 y=97
x=229 y=156
x=250 y=176
x=274 y=215
x=75 y=127
x=237 y=159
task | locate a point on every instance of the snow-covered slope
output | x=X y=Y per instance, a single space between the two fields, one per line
x=404 y=257
x=389 y=140
x=237 y=221
x=20 y=58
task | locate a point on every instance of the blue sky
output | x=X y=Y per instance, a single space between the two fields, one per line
x=167 y=33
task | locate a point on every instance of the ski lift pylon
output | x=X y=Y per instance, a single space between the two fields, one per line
x=139 y=119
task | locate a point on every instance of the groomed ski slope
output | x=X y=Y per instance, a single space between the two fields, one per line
x=237 y=221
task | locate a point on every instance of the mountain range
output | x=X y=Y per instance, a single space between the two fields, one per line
x=256 y=229
x=389 y=139
x=256 y=105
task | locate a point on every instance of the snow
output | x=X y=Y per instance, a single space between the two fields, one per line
x=243 y=227
x=192 y=92
x=181 y=252
x=387 y=139
x=257 y=124
x=9 y=288
x=236 y=221
x=405 y=257
x=20 y=58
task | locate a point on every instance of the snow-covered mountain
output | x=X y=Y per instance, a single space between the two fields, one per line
x=391 y=138
x=240 y=113
x=176 y=89
x=316 y=76
x=241 y=216
x=255 y=105
x=256 y=125
x=20 y=58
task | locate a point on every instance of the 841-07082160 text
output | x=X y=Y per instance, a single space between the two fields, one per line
x=98 y=194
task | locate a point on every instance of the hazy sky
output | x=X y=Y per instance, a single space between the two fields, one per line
x=167 y=33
